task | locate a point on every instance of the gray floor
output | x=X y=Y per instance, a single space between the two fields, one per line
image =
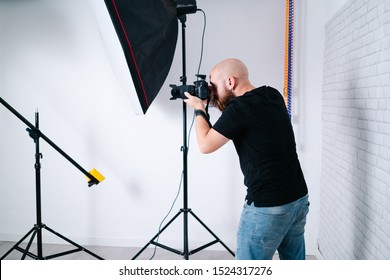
x=109 y=253
x=112 y=253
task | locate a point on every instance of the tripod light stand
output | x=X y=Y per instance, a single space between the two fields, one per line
x=185 y=210
x=94 y=176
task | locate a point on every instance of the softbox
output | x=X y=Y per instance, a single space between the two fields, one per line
x=141 y=37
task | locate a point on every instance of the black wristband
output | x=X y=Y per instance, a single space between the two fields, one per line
x=202 y=113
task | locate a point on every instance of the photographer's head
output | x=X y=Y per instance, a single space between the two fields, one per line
x=229 y=79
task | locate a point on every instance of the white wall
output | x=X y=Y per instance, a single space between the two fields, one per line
x=307 y=77
x=332 y=7
x=355 y=194
x=310 y=20
x=52 y=58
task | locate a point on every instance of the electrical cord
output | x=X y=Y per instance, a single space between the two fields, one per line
x=201 y=52
x=166 y=216
x=202 y=44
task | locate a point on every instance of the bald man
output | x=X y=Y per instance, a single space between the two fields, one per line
x=256 y=120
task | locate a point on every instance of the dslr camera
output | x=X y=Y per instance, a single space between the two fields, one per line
x=200 y=89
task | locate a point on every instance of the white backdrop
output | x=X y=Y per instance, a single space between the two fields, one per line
x=53 y=60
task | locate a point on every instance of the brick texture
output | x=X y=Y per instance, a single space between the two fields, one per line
x=355 y=177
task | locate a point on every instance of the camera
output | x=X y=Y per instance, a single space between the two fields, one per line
x=200 y=89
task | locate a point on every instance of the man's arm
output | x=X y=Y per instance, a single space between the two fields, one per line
x=209 y=140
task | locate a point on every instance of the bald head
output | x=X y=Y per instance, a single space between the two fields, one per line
x=230 y=77
x=230 y=67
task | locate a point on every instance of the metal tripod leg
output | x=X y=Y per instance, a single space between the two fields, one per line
x=213 y=234
x=157 y=235
x=39 y=255
x=185 y=253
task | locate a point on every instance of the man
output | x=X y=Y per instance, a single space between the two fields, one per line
x=256 y=119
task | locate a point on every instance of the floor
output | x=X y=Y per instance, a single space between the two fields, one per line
x=112 y=253
x=109 y=253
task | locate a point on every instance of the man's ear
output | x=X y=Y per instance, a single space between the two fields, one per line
x=231 y=83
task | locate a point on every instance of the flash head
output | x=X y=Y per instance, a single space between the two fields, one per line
x=184 y=7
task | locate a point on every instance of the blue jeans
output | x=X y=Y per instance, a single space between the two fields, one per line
x=263 y=230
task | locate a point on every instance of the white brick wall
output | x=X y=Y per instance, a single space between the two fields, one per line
x=355 y=180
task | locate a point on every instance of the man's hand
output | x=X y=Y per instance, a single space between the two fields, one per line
x=194 y=101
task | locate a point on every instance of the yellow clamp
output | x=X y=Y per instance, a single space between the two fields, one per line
x=97 y=175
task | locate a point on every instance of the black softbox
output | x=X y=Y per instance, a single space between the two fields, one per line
x=146 y=32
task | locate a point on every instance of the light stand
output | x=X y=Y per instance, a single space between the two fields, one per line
x=185 y=210
x=35 y=133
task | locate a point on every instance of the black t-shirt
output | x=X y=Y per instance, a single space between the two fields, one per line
x=259 y=125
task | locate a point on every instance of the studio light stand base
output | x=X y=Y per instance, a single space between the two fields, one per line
x=36 y=232
x=185 y=253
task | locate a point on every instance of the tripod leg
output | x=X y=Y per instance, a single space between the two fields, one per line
x=212 y=233
x=80 y=248
x=29 y=244
x=185 y=237
x=154 y=237
x=18 y=243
